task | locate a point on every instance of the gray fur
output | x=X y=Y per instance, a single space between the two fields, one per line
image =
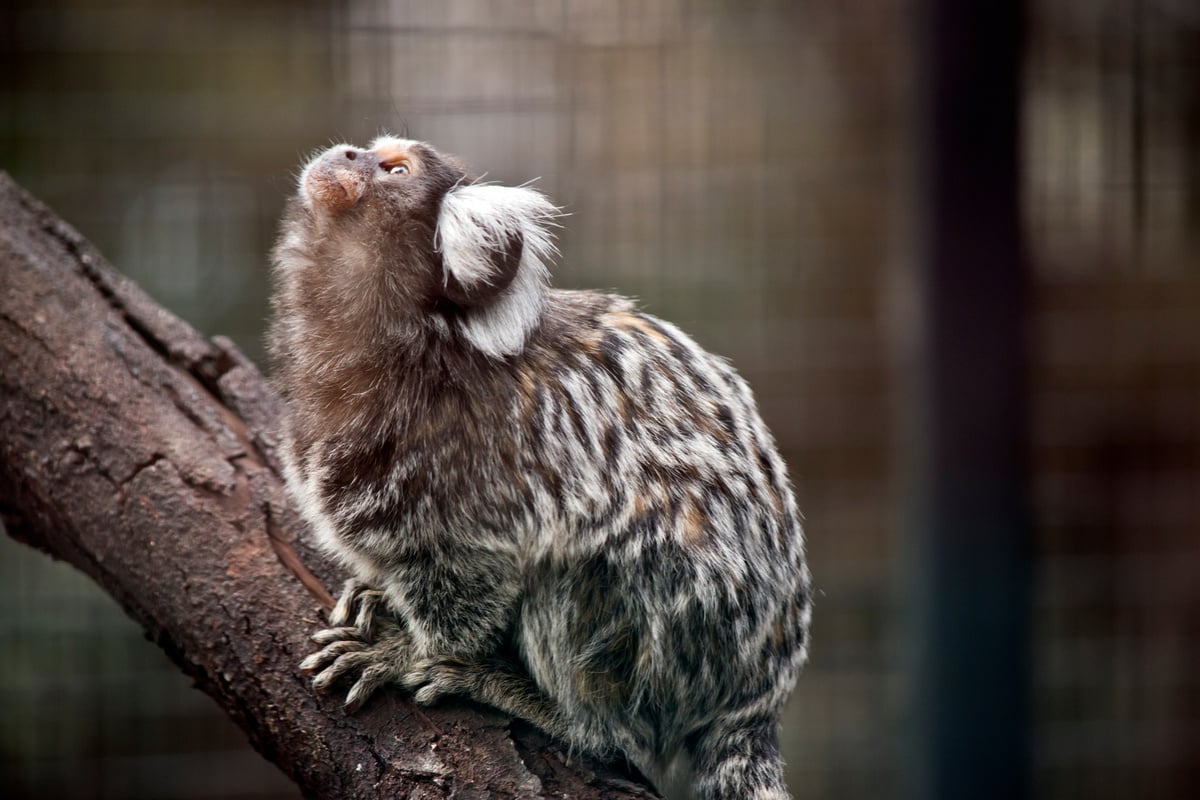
x=550 y=502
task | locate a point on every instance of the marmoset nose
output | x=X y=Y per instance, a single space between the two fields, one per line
x=337 y=179
x=346 y=157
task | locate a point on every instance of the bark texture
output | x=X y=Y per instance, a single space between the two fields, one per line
x=144 y=454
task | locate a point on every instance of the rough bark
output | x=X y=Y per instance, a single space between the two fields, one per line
x=144 y=454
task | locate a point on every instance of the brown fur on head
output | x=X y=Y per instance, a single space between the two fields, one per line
x=367 y=218
x=394 y=245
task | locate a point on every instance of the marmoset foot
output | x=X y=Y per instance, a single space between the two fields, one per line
x=371 y=661
x=430 y=679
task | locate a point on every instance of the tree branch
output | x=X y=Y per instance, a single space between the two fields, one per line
x=144 y=454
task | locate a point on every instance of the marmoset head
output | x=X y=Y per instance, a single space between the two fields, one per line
x=401 y=234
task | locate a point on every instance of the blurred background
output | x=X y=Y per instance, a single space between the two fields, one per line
x=760 y=172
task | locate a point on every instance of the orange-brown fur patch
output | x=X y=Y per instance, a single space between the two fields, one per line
x=706 y=424
x=623 y=410
x=776 y=500
x=693 y=523
x=633 y=322
x=779 y=632
x=331 y=189
x=526 y=392
x=591 y=342
x=392 y=155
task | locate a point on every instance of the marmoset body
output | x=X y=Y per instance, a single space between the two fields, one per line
x=549 y=501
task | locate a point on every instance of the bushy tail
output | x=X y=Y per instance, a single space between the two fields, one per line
x=738 y=760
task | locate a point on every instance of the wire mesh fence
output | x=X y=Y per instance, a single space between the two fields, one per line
x=743 y=169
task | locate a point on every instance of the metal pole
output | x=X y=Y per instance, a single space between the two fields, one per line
x=971 y=528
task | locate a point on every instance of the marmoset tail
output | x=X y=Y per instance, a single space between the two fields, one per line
x=549 y=501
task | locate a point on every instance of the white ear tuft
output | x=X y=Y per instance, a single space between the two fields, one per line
x=495 y=243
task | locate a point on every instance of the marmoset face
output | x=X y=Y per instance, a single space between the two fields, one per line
x=388 y=240
x=396 y=176
x=364 y=221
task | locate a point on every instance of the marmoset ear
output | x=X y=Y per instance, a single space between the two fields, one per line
x=495 y=242
x=480 y=264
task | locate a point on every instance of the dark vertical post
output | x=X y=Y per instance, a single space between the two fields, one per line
x=1137 y=145
x=971 y=528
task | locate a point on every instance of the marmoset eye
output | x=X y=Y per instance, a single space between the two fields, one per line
x=399 y=169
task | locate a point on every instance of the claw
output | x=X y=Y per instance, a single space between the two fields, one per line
x=418 y=674
x=341 y=612
x=350 y=662
x=435 y=678
x=372 y=678
x=344 y=609
x=427 y=695
x=358 y=602
x=365 y=619
x=330 y=655
x=330 y=635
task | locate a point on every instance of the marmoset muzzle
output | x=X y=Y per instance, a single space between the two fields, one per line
x=337 y=180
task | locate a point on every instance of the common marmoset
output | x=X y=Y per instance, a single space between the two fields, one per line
x=550 y=502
